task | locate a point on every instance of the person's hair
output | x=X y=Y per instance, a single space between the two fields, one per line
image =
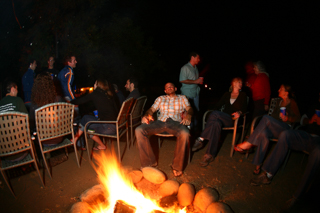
x=288 y=89
x=9 y=85
x=104 y=85
x=43 y=90
x=261 y=67
x=31 y=60
x=68 y=59
x=134 y=81
x=233 y=80
x=194 y=54
x=53 y=57
x=115 y=87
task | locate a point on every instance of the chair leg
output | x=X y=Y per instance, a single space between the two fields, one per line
x=46 y=164
x=159 y=142
x=286 y=161
x=76 y=153
x=233 y=141
x=118 y=143
x=131 y=129
x=7 y=182
x=243 y=127
x=37 y=168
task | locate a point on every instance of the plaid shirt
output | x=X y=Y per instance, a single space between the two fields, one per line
x=171 y=107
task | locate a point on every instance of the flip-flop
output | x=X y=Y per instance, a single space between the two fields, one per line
x=96 y=148
x=240 y=150
x=176 y=173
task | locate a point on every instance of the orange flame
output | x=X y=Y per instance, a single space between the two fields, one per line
x=120 y=187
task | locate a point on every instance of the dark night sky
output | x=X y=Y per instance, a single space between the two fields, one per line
x=226 y=34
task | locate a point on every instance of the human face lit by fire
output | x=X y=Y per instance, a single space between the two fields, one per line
x=237 y=84
x=33 y=65
x=195 y=60
x=282 y=92
x=129 y=86
x=170 y=89
x=73 y=62
x=51 y=62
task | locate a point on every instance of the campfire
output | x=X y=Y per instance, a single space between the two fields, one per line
x=118 y=192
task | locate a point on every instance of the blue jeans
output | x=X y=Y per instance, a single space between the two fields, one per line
x=147 y=157
x=108 y=129
x=300 y=141
x=212 y=132
x=267 y=129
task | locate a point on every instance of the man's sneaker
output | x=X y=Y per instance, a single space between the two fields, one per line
x=197 y=144
x=206 y=159
x=262 y=179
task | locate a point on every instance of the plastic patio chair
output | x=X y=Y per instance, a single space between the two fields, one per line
x=136 y=114
x=15 y=138
x=121 y=126
x=53 y=121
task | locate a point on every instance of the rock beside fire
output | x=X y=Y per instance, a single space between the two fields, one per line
x=93 y=195
x=136 y=176
x=169 y=187
x=186 y=194
x=153 y=175
x=80 y=207
x=218 y=207
x=204 y=198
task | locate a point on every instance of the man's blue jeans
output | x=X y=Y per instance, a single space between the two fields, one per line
x=267 y=129
x=212 y=132
x=147 y=157
x=300 y=141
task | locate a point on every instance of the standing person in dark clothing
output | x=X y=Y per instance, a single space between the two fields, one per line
x=51 y=70
x=104 y=101
x=66 y=78
x=132 y=87
x=232 y=105
x=27 y=80
x=119 y=94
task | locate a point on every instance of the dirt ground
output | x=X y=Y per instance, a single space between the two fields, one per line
x=229 y=176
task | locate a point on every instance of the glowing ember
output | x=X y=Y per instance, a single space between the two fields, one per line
x=120 y=187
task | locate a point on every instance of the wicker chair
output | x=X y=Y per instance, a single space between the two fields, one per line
x=53 y=121
x=136 y=114
x=15 y=138
x=121 y=126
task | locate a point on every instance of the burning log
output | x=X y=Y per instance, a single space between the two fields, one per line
x=122 y=207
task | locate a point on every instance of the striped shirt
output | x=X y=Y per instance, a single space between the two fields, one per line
x=171 y=107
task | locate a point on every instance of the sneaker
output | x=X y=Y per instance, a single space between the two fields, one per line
x=206 y=159
x=262 y=179
x=197 y=144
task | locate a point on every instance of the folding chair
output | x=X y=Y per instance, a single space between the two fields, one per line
x=14 y=139
x=167 y=135
x=136 y=114
x=234 y=128
x=53 y=121
x=121 y=126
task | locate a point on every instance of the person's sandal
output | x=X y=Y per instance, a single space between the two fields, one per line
x=176 y=173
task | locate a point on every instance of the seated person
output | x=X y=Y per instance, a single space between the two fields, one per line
x=271 y=126
x=43 y=93
x=170 y=106
x=11 y=102
x=295 y=140
x=104 y=101
x=232 y=105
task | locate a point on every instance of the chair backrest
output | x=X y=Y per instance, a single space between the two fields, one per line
x=14 y=133
x=138 y=107
x=54 y=120
x=124 y=112
x=273 y=104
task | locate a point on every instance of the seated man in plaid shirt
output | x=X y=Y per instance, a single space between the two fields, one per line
x=171 y=107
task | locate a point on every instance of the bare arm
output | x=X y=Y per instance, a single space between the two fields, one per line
x=148 y=116
x=197 y=81
x=187 y=119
